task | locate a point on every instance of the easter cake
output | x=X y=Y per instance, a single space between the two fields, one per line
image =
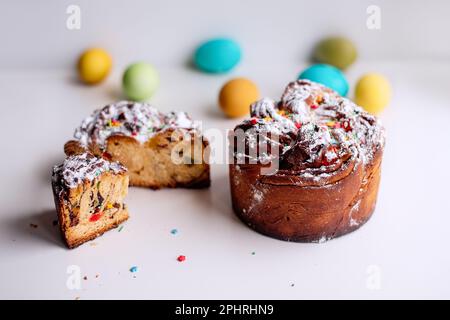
x=308 y=167
x=159 y=150
x=89 y=193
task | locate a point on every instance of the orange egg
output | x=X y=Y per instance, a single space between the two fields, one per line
x=236 y=96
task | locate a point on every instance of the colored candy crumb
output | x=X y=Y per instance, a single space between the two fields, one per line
x=181 y=258
x=106 y=155
x=120 y=229
x=253 y=253
x=174 y=231
x=133 y=269
x=96 y=216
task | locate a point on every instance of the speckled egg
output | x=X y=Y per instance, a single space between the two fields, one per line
x=336 y=51
x=140 y=81
x=94 y=65
x=218 y=55
x=236 y=96
x=373 y=92
x=328 y=76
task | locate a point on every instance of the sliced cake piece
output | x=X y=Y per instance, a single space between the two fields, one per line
x=159 y=150
x=89 y=194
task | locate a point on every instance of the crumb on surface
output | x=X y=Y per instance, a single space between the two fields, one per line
x=133 y=269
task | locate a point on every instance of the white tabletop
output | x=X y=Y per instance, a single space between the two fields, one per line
x=402 y=252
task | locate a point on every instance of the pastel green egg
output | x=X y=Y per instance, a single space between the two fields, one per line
x=373 y=92
x=140 y=81
x=336 y=51
x=327 y=75
x=217 y=55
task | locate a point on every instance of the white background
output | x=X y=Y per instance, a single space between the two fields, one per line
x=406 y=240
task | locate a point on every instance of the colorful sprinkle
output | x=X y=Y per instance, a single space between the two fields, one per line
x=113 y=123
x=181 y=258
x=346 y=125
x=319 y=99
x=109 y=206
x=133 y=269
x=120 y=229
x=106 y=155
x=253 y=121
x=96 y=216
x=253 y=253
x=298 y=125
x=174 y=231
x=267 y=119
x=331 y=124
x=314 y=106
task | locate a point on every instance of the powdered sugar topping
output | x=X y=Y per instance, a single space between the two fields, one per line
x=316 y=125
x=78 y=168
x=133 y=119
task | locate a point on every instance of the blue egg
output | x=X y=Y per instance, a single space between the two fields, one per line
x=327 y=75
x=217 y=55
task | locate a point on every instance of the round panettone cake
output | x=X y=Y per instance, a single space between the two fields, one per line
x=306 y=168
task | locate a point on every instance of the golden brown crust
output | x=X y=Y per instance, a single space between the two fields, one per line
x=294 y=212
x=75 y=243
x=150 y=164
x=73 y=147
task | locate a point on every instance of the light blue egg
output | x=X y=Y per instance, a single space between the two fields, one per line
x=218 y=55
x=327 y=75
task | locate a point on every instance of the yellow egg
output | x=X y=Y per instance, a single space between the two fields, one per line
x=94 y=65
x=373 y=92
x=236 y=96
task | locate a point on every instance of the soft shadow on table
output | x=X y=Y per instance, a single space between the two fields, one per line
x=190 y=65
x=37 y=226
x=218 y=196
x=214 y=112
x=114 y=93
